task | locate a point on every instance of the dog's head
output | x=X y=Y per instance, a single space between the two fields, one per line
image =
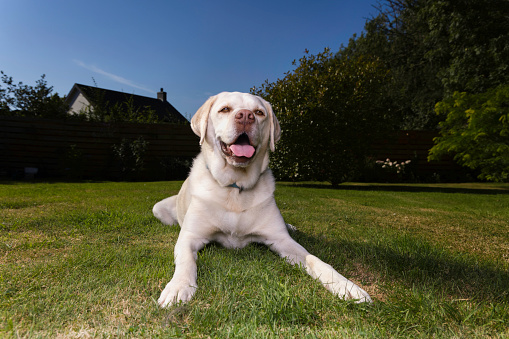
x=240 y=126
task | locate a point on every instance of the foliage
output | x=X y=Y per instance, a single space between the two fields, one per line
x=329 y=111
x=471 y=43
x=426 y=51
x=175 y=167
x=476 y=131
x=33 y=101
x=434 y=48
x=131 y=155
x=73 y=162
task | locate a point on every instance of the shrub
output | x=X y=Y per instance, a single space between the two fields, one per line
x=330 y=110
x=476 y=132
x=176 y=167
x=130 y=154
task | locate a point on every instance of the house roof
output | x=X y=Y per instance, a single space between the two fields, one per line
x=164 y=110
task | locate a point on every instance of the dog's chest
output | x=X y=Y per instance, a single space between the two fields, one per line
x=234 y=223
x=236 y=201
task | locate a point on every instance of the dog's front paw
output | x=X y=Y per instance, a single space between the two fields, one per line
x=347 y=290
x=176 y=292
x=335 y=282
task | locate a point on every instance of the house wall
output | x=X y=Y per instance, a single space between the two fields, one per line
x=78 y=103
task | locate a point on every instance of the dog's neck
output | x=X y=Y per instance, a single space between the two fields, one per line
x=226 y=173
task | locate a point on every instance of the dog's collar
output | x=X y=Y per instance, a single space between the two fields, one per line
x=234 y=185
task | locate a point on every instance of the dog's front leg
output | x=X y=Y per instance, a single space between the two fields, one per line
x=183 y=284
x=294 y=253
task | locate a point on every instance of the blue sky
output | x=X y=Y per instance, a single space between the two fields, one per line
x=193 y=49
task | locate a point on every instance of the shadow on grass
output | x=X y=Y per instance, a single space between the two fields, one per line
x=402 y=188
x=415 y=264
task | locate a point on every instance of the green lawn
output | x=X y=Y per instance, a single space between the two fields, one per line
x=90 y=260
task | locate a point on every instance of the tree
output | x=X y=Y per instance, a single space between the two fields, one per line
x=476 y=132
x=434 y=48
x=471 y=43
x=36 y=101
x=329 y=110
x=396 y=37
x=5 y=99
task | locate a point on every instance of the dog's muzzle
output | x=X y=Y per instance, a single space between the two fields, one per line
x=241 y=150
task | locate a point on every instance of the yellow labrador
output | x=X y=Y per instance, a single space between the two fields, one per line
x=229 y=196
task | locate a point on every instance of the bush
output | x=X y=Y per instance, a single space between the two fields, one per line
x=476 y=132
x=330 y=110
x=175 y=167
x=130 y=154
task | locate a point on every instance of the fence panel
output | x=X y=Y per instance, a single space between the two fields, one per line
x=59 y=148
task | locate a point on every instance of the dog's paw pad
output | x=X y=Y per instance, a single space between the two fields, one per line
x=290 y=227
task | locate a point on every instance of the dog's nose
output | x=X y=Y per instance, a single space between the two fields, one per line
x=244 y=117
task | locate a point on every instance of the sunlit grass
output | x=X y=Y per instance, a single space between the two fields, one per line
x=89 y=259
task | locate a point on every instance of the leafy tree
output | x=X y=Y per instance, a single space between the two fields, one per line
x=329 y=110
x=434 y=48
x=5 y=98
x=395 y=36
x=470 y=40
x=36 y=101
x=476 y=132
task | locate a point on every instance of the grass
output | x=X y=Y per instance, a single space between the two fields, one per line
x=90 y=260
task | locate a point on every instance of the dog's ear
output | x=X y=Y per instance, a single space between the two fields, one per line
x=201 y=117
x=275 y=129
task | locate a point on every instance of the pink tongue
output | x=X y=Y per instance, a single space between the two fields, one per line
x=243 y=150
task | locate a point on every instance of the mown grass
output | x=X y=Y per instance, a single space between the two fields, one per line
x=90 y=260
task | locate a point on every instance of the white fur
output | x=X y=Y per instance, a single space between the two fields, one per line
x=208 y=209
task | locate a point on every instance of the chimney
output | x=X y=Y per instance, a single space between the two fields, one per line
x=161 y=95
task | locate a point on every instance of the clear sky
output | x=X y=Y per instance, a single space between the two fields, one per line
x=191 y=48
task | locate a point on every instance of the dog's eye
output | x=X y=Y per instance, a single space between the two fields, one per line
x=224 y=109
x=259 y=112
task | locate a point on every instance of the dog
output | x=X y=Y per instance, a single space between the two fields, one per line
x=228 y=196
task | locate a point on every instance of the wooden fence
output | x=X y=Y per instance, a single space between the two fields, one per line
x=85 y=150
